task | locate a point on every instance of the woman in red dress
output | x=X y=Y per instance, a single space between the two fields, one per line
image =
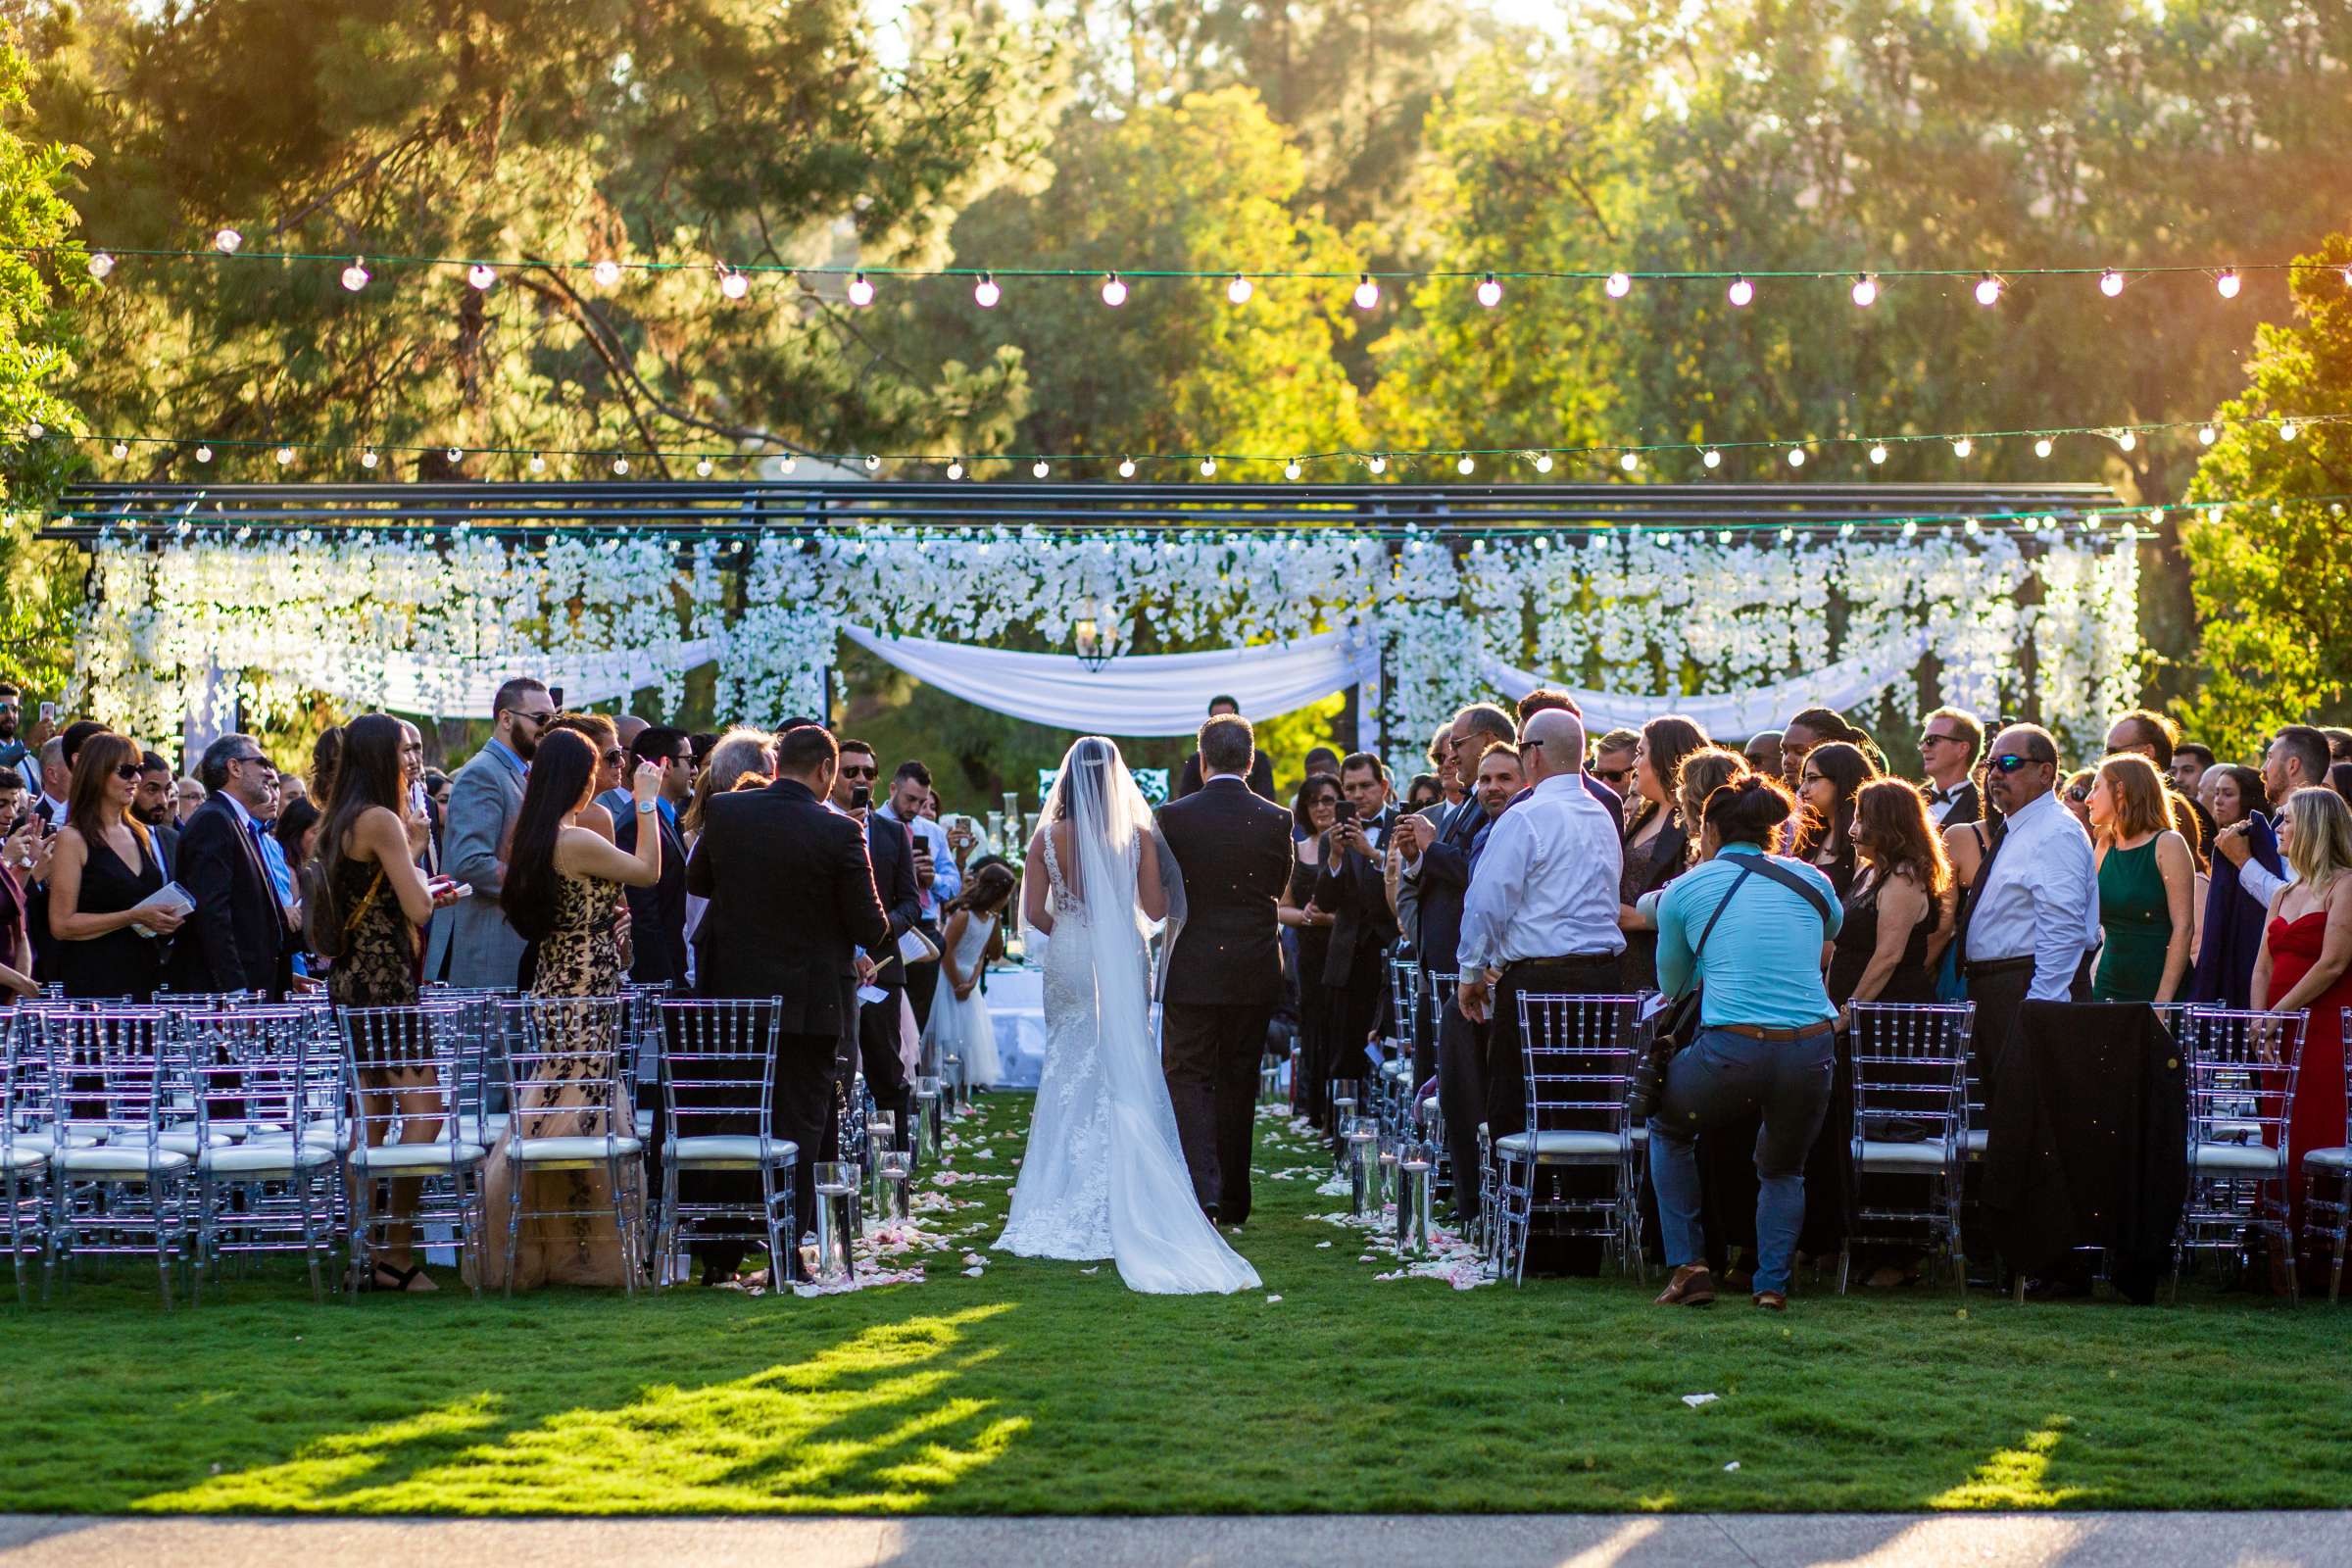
x=2306 y=962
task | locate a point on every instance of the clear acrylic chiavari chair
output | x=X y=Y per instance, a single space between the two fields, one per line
x=2242 y=1067
x=569 y=1110
x=717 y=1073
x=2328 y=1183
x=119 y=1187
x=267 y=1082
x=1910 y=1127
x=1579 y=1054
x=415 y=1159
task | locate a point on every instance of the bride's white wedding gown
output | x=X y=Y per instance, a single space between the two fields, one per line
x=1104 y=1175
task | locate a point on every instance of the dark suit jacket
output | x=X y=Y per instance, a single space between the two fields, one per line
x=1354 y=889
x=1262 y=777
x=657 y=914
x=236 y=936
x=1235 y=852
x=891 y=844
x=1967 y=805
x=792 y=899
x=1443 y=882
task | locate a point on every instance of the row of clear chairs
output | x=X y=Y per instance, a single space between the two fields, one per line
x=192 y=1131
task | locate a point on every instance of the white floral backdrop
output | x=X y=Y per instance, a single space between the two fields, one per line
x=1685 y=610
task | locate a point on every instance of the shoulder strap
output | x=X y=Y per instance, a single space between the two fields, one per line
x=1746 y=872
x=1790 y=879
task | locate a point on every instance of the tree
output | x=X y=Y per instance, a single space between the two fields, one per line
x=2272 y=580
x=676 y=137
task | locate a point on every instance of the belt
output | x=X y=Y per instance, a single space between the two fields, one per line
x=1757 y=1031
x=1992 y=967
x=1570 y=961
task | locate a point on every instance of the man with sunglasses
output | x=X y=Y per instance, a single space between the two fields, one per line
x=890 y=847
x=1613 y=761
x=2029 y=920
x=237 y=937
x=471 y=943
x=1949 y=739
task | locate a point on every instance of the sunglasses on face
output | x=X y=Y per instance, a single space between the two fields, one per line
x=1931 y=739
x=129 y=771
x=1612 y=775
x=2010 y=762
x=535 y=720
x=859 y=772
x=2080 y=794
x=615 y=757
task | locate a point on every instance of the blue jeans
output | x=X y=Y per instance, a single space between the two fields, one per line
x=1720 y=1077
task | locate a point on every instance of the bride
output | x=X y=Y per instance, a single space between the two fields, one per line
x=1105 y=1175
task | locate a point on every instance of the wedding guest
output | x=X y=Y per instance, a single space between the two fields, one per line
x=153 y=807
x=1424 y=795
x=57 y=774
x=1898 y=916
x=562 y=894
x=1314 y=810
x=740 y=754
x=1441 y=748
x=188 y=795
x=936 y=878
x=473 y=945
x=610 y=759
x=237 y=939
x=1322 y=759
x=2146 y=880
x=1830 y=775
x=2339 y=745
x=2031 y=916
x=1762 y=753
x=880 y=1024
x=1949 y=739
x=1540 y=914
x=297 y=833
x=15 y=756
x=2191 y=762
x=2144 y=733
x=658 y=914
x=1657 y=839
x=792 y=901
x=1546 y=700
x=1352 y=888
x=1765 y=1036
x=1613 y=759
x=2297 y=758
x=1700 y=776
x=2339 y=778
x=960 y=1025
x=1189 y=779
x=436 y=787
x=2077 y=795
x=326 y=755
x=365 y=906
x=22 y=852
x=1816 y=726
x=104 y=880
x=2185 y=823
x=2306 y=964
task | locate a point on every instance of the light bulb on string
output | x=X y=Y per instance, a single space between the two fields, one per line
x=787 y=463
x=1963 y=447
x=1464 y=466
x=1866 y=291
x=1379 y=463
x=701 y=468
x=1788 y=534
x=1114 y=292
x=100 y=264
x=1126 y=468
x=1291 y=470
x=1628 y=462
x=607 y=273
x=1489 y=292
x=354 y=276
x=1910 y=528
x=874 y=462
x=1039 y=470
x=1619 y=285
x=620 y=466
x=481 y=274
x=2041 y=445
x=1543 y=463
x=1711 y=458
x=455 y=453
x=2207 y=436
x=1238 y=290
x=2286 y=429
x=226 y=240
x=1969 y=526
x=861 y=291
x=1797 y=457
x=1208 y=467
x=734 y=285
x=367 y=459
x=1989 y=290
x=2226 y=285
x=121 y=450
x=985 y=293
x=204 y=453
x=36 y=430
x=954 y=469
x=1878 y=451
x=2126 y=440
x=285 y=457
x=1723 y=536
x=1367 y=292
x=2111 y=283
x=1741 y=292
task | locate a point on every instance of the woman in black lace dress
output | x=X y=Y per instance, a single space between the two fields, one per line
x=1657 y=842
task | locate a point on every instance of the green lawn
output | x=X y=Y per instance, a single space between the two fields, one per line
x=1040 y=1389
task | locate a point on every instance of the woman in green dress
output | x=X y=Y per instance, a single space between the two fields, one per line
x=2147 y=881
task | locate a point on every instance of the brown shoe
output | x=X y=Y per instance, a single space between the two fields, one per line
x=1771 y=1301
x=1691 y=1285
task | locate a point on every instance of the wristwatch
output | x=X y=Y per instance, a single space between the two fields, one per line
x=643 y=806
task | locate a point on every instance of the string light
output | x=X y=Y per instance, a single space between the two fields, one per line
x=985 y=293
x=1741 y=292
x=226 y=240
x=2111 y=283
x=1126 y=468
x=538 y=463
x=354 y=276
x=2286 y=429
x=735 y=286
x=121 y=450
x=285 y=457
x=367 y=459
x=1877 y=453
x=2041 y=448
x=1711 y=458
x=1963 y=447
x=1543 y=463
x=455 y=453
x=1291 y=469
x=1619 y=285
x=1628 y=462
x=1989 y=290
x=1379 y=463
x=1797 y=457
x=1464 y=466
x=1208 y=467
x=607 y=273
x=702 y=469
x=481 y=274
x=2227 y=283
x=954 y=470
x=2127 y=441
x=620 y=465
x=861 y=291
x=787 y=463
x=1238 y=290
x=1910 y=528
x=1489 y=292
x=1866 y=291
x=1039 y=468
x=1367 y=292
x=2206 y=434
x=204 y=453
x=101 y=264
x=36 y=430
x=1114 y=292
x=874 y=462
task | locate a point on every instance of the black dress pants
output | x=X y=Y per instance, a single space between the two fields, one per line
x=885 y=1074
x=1462 y=1098
x=922 y=980
x=1209 y=1054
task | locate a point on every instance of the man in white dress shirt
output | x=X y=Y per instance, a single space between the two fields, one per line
x=2031 y=919
x=1541 y=912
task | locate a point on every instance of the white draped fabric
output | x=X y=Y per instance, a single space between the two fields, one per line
x=414 y=685
x=1137 y=693
x=1733 y=716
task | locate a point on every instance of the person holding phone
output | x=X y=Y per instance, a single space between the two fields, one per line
x=105 y=881
x=881 y=1026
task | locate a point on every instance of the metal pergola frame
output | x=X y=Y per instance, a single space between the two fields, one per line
x=741 y=509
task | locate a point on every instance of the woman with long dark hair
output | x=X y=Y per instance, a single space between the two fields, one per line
x=1657 y=841
x=563 y=892
x=1313 y=810
x=104 y=880
x=1829 y=778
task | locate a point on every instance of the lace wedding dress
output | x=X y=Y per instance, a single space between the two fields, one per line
x=1104 y=1175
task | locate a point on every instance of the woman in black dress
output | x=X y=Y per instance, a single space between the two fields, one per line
x=1657 y=843
x=1313 y=810
x=1830 y=777
x=104 y=880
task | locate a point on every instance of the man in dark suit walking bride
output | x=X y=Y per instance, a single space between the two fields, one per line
x=1224 y=977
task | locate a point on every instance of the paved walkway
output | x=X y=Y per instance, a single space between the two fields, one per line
x=1782 y=1540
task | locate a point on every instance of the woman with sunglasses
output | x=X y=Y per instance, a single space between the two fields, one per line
x=2075 y=792
x=604 y=736
x=1313 y=810
x=105 y=879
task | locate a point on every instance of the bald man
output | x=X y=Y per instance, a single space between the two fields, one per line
x=1541 y=912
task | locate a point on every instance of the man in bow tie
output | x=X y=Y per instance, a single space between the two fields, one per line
x=1950 y=740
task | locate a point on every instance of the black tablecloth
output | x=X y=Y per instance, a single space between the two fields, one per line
x=2086 y=1141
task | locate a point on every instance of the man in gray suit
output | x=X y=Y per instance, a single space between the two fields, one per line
x=471 y=943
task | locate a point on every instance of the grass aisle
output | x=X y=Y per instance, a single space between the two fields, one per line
x=1039 y=1388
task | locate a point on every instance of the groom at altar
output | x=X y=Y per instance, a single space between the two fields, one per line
x=1224 y=979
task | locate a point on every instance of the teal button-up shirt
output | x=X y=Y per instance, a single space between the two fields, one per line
x=1762 y=965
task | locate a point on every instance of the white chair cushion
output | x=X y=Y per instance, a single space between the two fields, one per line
x=1972 y=1143
x=416 y=1157
x=2328 y=1158
x=1915 y=1158
x=722 y=1149
x=111 y=1161
x=265 y=1159
x=1429 y=1106
x=542 y=1151
x=183 y=1141
x=44 y=1142
x=1562 y=1147
x=17 y=1158
x=2237 y=1160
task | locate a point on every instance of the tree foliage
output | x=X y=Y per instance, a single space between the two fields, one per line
x=2271 y=581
